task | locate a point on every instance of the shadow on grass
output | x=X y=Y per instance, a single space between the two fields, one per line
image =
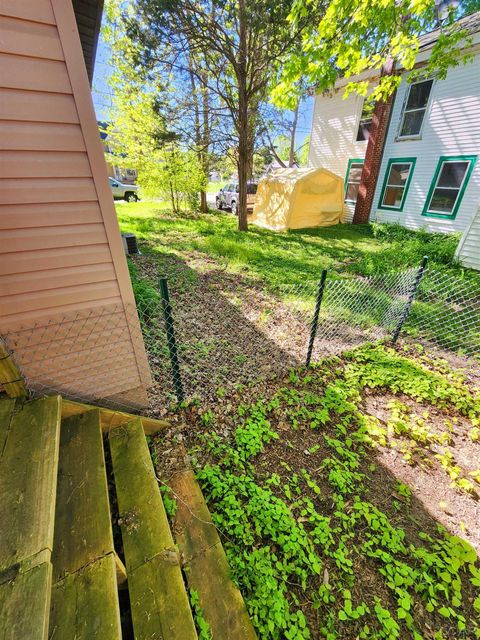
x=295 y=255
x=223 y=326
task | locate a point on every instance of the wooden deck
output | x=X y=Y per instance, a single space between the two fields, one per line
x=60 y=574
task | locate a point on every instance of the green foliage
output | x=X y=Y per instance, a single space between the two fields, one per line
x=203 y=628
x=169 y=501
x=176 y=175
x=346 y=40
x=291 y=257
x=139 y=134
x=235 y=47
x=439 y=247
x=147 y=297
x=277 y=531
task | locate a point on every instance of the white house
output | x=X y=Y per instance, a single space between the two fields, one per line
x=468 y=250
x=429 y=175
x=338 y=141
x=426 y=170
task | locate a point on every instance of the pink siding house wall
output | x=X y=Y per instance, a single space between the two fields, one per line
x=67 y=309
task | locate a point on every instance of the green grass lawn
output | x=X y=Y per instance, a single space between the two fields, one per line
x=292 y=257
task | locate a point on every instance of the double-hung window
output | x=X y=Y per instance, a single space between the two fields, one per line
x=396 y=183
x=448 y=186
x=415 y=108
x=352 y=180
x=366 y=119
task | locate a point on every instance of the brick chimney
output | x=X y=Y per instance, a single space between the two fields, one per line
x=373 y=155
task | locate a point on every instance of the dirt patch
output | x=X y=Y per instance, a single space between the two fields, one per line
x=455 y=509
x=231 y=332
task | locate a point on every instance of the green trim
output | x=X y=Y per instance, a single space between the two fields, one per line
x=410 y=161
x=345 y=184
x=458 y=201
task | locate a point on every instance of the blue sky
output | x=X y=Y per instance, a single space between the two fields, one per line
x=102 y=100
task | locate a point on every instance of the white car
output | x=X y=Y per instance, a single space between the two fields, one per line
x=227 y=198
x=121 y=191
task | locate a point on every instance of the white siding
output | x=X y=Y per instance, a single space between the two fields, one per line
x=451 y=128
x=468 y=251
x=334 y=131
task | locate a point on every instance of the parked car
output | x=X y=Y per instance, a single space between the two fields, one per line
x=121 y=191
x=227 y=198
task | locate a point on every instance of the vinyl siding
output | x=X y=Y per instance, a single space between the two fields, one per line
x=334 y=131
x=451 y=128
x=468 y=251
x=62 y=267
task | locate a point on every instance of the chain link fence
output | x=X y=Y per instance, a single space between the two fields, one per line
x=231 y=331
x=446 y=312
x=200 y=334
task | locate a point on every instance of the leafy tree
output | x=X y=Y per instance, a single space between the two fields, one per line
x=176 y=175
x=302 y=152
x=239 y=43
x=355 y=35
x=150 y=110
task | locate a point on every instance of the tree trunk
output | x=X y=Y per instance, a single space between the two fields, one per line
x=172 y=198
x=242 y=124
x=203 y=202
x=205 y=158
x=291 y=159
x=198 y=131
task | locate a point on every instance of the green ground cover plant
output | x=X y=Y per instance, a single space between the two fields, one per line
x=322 y=541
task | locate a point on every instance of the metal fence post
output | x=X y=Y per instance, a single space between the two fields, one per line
x=172 y=344
x=316 y=313
x=411 y=298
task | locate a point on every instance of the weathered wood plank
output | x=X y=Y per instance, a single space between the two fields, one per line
x=10 y=377
x=159 y=603
x=7 y=405
x=145 y=529
x=160 y=606
x=206 y=564
x=83 y=530
x=85 y=604
x=25 y=604
x=112 y=419
x=28 y=480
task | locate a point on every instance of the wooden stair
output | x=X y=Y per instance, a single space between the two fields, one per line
x=203 y=555
x=84 y=596
x=158 y=598
x=59 y=572
x=29 y=439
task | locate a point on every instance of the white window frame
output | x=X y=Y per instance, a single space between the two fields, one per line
x=358 y=121
x=347 y=181
x=459 y=190
x=426 y=110
x=405 y=187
